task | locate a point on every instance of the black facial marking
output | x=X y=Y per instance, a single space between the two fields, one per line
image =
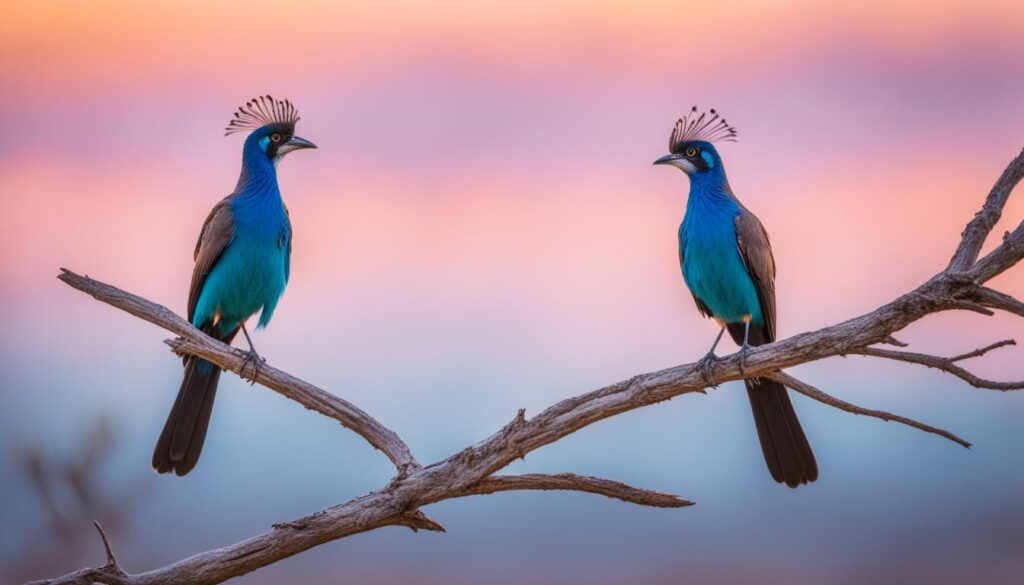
x=699 y=162
x=693 y=154
x=283 y=133
x=272 y=146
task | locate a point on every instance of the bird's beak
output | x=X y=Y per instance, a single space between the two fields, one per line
x=678 y=162
x=296 y=143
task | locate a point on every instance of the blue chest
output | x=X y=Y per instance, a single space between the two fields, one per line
x=712 y=266
x=252 y=271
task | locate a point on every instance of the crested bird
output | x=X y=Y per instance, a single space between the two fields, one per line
x=727 y=263
x=241 y=267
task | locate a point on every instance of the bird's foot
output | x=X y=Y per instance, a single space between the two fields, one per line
x=254 y=360
x=705 y=364
x=743 y=358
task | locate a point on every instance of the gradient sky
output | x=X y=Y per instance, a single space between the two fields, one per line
x=481 y=230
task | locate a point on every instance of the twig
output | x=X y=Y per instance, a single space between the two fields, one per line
x=997 y=300
x=110 y=573
x=825 y=398
x=111 y=561
x=417 y=521
x=947 y=365
x=579 y=483
x=982 y=350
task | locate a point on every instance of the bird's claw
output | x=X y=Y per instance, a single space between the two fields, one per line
x=256 y=361
x=743 y=358
x=705 y=364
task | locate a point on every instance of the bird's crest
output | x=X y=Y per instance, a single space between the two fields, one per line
x=261 y=111
x=705 y=126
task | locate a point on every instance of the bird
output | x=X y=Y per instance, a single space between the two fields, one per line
x=727 y=264
x=242 y=264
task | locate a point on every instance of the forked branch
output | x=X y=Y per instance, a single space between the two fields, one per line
x=471 y=471
x=947 y=365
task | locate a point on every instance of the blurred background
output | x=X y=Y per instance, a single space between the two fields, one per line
x=481 y=230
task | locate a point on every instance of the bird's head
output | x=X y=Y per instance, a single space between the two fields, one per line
x=272 y=124
x=691 y=143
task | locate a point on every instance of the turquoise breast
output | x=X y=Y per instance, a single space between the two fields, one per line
x=251 y=273
x=712 y=266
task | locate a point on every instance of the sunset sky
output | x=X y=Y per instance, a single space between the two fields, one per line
x=481 y=230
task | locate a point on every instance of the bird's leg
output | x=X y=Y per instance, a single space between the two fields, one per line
x=745 y=346
x=709 y=359
x=251 y=358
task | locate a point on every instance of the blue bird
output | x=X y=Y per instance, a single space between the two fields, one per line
x=241 y=267
x=726 y=261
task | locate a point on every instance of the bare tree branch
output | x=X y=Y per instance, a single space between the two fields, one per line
x=1006 y=255
x=195 y=342
x=976 y=232
x=812 y=392
x=416 y=521
x=947 y=365
x=110 y=573
x=111 y=560
x=471 y=471
x=997 y=300
x=579 y=483
x=982 y=350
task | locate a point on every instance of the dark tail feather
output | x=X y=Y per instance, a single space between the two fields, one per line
x=786 y=450
x=182 y=439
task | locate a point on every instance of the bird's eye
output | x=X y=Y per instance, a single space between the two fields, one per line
x=690 y=152
x=276 y=137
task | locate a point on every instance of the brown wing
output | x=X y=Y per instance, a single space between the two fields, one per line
x=756 y=252
x=217 y=231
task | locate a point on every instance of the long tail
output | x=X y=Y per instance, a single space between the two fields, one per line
x=786 y=450
x=783 y=442
x=182 y=439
